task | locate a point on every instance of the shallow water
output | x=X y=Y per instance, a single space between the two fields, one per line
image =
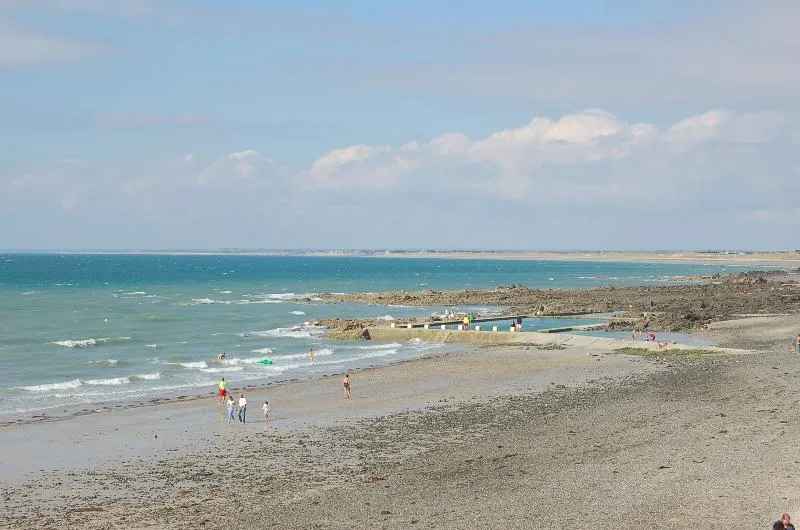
x=88 y=329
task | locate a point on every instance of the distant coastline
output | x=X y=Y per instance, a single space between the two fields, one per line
x=721 y=256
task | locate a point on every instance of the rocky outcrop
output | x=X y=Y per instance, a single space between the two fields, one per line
x=659 y=308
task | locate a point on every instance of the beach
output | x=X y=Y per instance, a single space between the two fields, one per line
x=516 y=437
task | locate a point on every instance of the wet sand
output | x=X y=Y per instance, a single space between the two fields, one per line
x=516 y=437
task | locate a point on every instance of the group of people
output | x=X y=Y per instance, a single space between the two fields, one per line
x=239 y=409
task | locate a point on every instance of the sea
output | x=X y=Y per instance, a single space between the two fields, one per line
x=82 y=331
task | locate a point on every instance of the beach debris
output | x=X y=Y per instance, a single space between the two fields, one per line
x=155 y=436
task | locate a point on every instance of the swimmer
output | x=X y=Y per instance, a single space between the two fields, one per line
x=222 y=356
x=311 y=354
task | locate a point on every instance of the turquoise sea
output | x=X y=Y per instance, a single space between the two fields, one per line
x=90 y=330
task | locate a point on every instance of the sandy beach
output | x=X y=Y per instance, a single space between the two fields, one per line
x=518 y=436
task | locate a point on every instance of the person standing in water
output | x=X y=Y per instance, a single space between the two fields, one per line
x=242 y=409
x=347 y=386
x=311 y=354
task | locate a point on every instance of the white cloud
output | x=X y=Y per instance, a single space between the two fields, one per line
x=247 y=165
x=583 y=172
x=586 y=157
x=22 y=46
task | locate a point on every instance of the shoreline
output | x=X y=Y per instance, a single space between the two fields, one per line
x=481 y=420
x=521 y=339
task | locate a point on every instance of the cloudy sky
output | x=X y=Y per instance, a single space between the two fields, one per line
x=505 y=124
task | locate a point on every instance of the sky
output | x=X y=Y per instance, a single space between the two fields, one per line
x=505 y=124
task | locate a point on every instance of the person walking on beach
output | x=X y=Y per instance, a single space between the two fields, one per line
x=311 y=354
x=796 y=344
x=347 y=386
x=222 y=390
x=466 y=322
x=230 y=407
x=242 y=409
x=265 y=410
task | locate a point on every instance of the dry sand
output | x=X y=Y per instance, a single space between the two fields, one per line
x=501 y=438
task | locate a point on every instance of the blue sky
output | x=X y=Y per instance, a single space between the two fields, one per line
x=536 y=125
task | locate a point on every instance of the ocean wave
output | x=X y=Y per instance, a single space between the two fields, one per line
x=322 y=352
x=385 y=317
x=152 y=345
x=75 y=383
x=298 y=313
x=249 y=360
x=85 y=343
x=381 y=346
x=222 y=370
x=106 y=362
x=108 y=382
x=78 y=343
x=147 y=377
x=370 y=355
x=295 y=332
x=195 y=364
x=281 y=296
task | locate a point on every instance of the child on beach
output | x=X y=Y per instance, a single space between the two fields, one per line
x=265 y=410
x=347 y=386
x=230 y=407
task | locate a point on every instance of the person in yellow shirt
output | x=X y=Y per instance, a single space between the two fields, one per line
x=223 y=391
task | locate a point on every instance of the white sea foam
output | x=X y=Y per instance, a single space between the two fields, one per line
x=295 y=332
x=281 y=296
x=202 y=300
x=109 y=362
x=248 y=360
x=107 y=382
x=222 y=370
x=196 y=364
x=152 y=345
x=147 y=377
x=381 y=346
x=75 y=383
x=298 y=313
x=386 y=317
x=80 y=343
x=136 y=292
x=225 y=292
